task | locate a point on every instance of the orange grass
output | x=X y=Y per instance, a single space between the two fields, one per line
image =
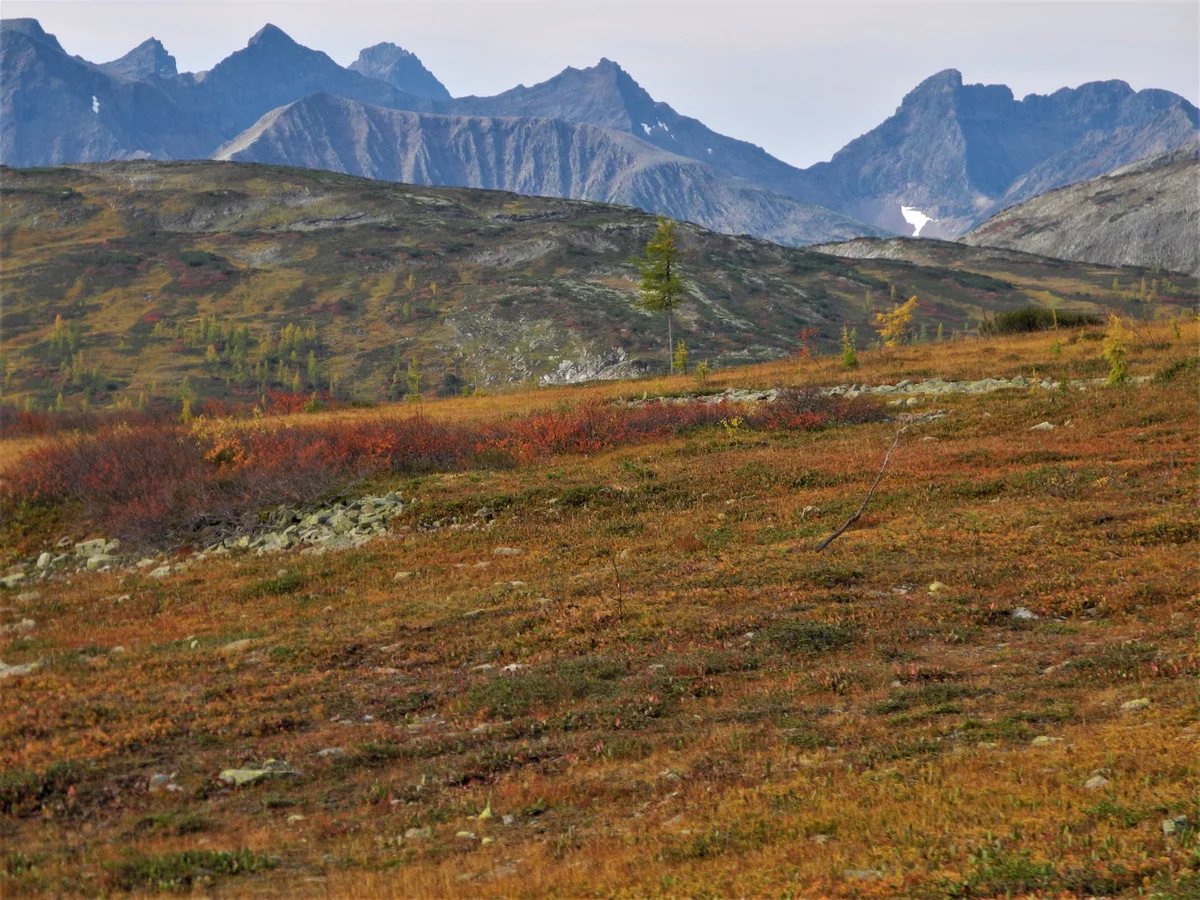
x=687 y=722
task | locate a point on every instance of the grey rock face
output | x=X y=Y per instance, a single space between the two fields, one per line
x=1145 y=214
x=401 y=69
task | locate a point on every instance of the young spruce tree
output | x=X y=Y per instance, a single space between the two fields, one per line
x=661 y=288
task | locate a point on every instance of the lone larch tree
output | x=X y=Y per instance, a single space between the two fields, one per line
x=661 y=288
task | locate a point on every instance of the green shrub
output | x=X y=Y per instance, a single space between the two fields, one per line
x=810 y=637
x=283 y=584
x=1167 y=374
x=179 y=871
x=1033 y=318
x=24 y=793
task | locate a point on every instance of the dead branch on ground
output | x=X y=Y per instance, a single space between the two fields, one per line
x=878 y=478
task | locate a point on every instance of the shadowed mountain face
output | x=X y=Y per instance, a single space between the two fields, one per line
x=149 y=58
x=273 y=70
x=401 y=69
x=953 y=154
x=1145 y=214
x=56 y=107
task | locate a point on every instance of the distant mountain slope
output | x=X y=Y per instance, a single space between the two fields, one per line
x=401 y=69
x=542 y=157
x=959 y=152
x=1145 y=214
x=58 y=108
x=608 y=96
x=55 y=107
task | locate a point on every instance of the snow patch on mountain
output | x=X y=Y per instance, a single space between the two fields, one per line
x=915 y=218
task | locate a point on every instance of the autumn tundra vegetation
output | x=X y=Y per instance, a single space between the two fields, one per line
x=594 y=652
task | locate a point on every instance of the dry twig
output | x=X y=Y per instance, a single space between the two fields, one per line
x=878 y=478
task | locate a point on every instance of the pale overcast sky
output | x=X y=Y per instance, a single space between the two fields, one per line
x=800 y=79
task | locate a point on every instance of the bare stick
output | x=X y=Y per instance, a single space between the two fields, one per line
x=854 y=518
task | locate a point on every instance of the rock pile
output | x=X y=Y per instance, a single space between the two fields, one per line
x=342 y=526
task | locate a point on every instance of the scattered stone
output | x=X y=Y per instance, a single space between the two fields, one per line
x=819 y=838
x=331 y=751
x=23 y=627
x=237 y=646
x=112 y=546
x=862 y=874
x=162 y=782
x=507 y=551
x=1096 y=782
x=400 y=576
x=936 y=586
x=7 y=671
x=272 y=768
x=1174 y=826
x=416 y=834
x=294 y=818
x=1042 y=426
x=1043 y=740
x=1135 y=705
x=1025 y=614
x=161 y=572
x=466 y=835
x=11 y=581
x=28 y=597
x=513 y=667
x=100 y=561
x=86 y=549
x=43 y=561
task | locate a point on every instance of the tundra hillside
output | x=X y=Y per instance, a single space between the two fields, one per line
x=619 y=669
x=135 y=284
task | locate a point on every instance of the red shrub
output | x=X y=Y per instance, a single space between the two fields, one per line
x=152 y=481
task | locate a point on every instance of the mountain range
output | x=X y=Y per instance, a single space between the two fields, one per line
x=952 y=155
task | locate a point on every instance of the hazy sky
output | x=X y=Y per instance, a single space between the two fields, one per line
x=800 y=79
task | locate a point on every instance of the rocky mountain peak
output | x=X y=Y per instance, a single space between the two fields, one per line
x=148 y=58
x=31 y=28
x=400 y=68
x=271 y=36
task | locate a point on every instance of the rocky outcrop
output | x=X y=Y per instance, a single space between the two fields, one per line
x=1145 y=214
